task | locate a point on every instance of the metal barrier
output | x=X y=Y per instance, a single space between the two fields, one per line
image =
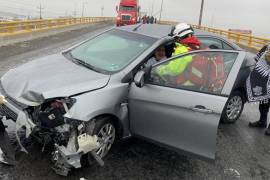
x=241 y=39
x=20 y=27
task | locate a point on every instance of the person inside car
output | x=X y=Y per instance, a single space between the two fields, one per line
x=159 y=55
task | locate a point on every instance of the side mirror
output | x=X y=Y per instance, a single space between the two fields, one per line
x=139 y=79
x=116 y=8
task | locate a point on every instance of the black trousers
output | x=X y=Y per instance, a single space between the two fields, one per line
x=2 y=127
x=264 y=109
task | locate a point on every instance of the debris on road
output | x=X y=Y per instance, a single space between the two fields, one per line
x=87 y=143
x=232 y=173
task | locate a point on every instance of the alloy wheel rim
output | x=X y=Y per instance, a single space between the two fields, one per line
x=106 y=137
x=234 y=107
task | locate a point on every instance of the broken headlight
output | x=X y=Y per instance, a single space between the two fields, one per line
x=51 y=114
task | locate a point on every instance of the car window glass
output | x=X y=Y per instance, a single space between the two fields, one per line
x=127 y=8
x=202 y=71
x=109 y=43
x=113 y=50
x=210 y=43
x=227 y=47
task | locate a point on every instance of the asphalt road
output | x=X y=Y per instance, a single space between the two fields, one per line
x=242 y=153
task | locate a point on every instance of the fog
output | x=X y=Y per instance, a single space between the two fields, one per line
x=225 y=14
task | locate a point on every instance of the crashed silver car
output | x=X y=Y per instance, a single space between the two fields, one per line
x=85 y=98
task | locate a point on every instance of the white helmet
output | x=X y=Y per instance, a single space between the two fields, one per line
x=182 y=30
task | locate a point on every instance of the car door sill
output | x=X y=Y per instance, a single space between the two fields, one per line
x=178 y=151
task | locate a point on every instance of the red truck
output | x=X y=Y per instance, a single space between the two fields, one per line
x=128 y=12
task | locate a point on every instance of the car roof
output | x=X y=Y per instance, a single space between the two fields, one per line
x=151 y=30
x=160 y=31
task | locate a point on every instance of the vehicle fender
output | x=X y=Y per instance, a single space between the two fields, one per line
x=109 y=100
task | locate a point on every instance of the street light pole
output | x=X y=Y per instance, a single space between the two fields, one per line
x=102 y=10
x=40 y=11
x=161 y=9
x=152 y=8
x=83 y=7
x=201 y=13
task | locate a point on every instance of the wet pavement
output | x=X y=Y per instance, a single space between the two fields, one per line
x=242 y=153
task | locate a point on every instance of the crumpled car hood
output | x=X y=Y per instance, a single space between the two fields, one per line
x=49 y=77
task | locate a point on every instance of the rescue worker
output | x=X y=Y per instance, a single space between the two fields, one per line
x=258 y=87
x=185 y=41
x=184 y=36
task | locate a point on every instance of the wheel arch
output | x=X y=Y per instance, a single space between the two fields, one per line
x=117 y=122
x=243 y=91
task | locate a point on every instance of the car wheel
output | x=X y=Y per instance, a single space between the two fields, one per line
x=233 y=108
x=105 y=130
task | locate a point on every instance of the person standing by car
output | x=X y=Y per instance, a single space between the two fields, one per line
x=258 y=87
x=185 y=39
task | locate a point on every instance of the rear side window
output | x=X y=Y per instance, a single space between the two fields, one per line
x=213 y=43
x=227 y=47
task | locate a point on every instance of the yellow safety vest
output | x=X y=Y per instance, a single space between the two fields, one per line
x=177 y=66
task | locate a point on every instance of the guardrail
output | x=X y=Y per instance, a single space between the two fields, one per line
x=20 y=27
x=241 y=39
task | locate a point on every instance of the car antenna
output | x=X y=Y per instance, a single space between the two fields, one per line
x=172 y=30
x=137 y=27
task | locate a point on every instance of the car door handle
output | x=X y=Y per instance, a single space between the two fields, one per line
x=202 y=109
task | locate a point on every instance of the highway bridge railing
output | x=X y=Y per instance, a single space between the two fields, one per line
x=248 y=41
x=28 y=26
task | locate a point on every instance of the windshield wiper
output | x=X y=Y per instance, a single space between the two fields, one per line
x=83 y=63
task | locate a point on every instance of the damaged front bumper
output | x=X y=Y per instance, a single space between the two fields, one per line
x=11 y=111
x=65 y=157
x=7 y=154
x=68 y=157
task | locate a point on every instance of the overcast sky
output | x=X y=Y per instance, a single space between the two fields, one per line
x=225 y=14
